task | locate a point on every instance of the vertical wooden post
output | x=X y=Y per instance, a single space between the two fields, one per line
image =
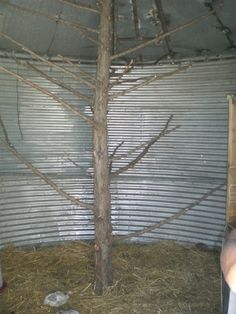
x=103 y=228
x=231 y=181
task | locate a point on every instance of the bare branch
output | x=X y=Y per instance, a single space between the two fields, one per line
x=18 y=108
x=51 y=64
x=73 y=162
x=5 y=131
x=164 y=56
x=58 y=83
x=126 y=70
x=39 y=174
x=133 y=150
x=81 y=6
x=162 y=36
x=113 y=154
x=148 y=80
x=8 y=145
x=46 y=92
x=130 y=152
x=132 y=163
x=171 y=218
x=82 y=30
x=78 y=66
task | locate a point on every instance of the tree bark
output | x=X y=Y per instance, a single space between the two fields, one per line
x=103 y=228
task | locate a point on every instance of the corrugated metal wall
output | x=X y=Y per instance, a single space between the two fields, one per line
x=59 y=145
x=178 y=169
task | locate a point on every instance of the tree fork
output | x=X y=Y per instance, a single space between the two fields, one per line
x=102 y=207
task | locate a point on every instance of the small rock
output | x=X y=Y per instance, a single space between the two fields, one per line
x=56 y=299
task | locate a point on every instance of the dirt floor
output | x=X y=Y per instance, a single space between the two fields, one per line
x=163 y=278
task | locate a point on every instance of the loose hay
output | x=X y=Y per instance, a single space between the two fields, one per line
x=163 y=278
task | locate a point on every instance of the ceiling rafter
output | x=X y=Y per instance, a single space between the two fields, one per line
x=135 y=18
x=222 y=27
x=163 y=22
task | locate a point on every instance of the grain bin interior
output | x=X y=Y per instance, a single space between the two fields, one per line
x=114 y=131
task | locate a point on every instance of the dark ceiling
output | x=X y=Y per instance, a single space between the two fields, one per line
x=52 y=27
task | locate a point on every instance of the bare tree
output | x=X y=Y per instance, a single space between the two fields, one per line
x=102 y=89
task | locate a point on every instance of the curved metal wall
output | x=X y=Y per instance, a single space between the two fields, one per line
x=59 y=145
x=184 y=165
x=178 y=169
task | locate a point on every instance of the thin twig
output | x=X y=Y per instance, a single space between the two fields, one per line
x=58 y=83
x=9 y=146
x=78 y=66
x=130 y=152
x=5 y=131
x=51 y=64
x=147 y=81
x=126 y=70
x=132 y=163
x=82 y=30
x=133 y=150
x=111 y=158
x=171 y=218
x=54 y=34
x=162 y=36
x=45 y=178
x=18 y=106
x=46 y=92
x=62 y=85
x=166 y=55
x=81 y=6
x=73 y=162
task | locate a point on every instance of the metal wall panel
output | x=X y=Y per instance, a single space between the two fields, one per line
x=177 y=170
x=59 y=145
x=182 y=166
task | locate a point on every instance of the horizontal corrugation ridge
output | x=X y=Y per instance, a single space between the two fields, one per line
x=178 y=170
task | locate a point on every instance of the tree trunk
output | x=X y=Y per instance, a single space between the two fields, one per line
x=103 y=228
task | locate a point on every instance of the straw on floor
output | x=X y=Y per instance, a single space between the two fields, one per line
x=162 y=278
